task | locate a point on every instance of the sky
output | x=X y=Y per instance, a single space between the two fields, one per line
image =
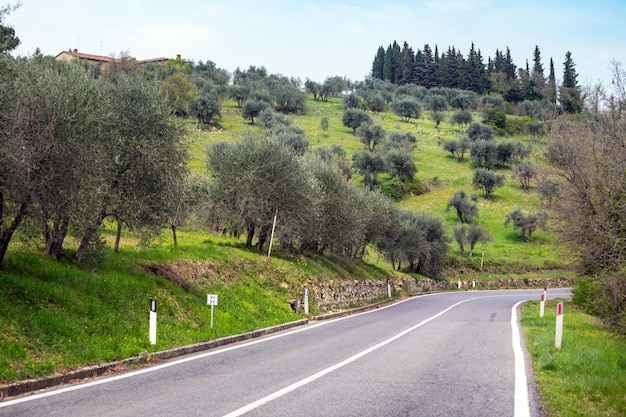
x=316 y=39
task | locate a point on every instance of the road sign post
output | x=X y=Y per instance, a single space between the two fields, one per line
x=153 y=321
x=211 y=300
x=559 y=326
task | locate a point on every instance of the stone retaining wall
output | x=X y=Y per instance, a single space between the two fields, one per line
x=337 y=294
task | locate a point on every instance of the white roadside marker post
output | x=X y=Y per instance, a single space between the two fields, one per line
x=388 y=288
x=306 y=300
x=559 y=325
x=542 y=305
x=211 y=300
x=153 y=321
x=459 y=284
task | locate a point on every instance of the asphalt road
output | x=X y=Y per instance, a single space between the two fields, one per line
x=450 y=354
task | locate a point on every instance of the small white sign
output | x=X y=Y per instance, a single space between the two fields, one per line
x=211 y=299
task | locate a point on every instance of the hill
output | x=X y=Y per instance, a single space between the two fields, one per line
x=56 y=317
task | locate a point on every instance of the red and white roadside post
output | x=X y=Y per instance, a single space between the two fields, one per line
x=559 y=326
x=542 y=305
x=153 y=321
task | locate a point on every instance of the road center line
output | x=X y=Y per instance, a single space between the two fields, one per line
x=247 y=408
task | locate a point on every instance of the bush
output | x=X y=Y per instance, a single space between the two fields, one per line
x=604 y=297
x=494 y=117
x=396 y=189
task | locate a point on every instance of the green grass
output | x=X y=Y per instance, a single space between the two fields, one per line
x=55 y=317
x=587 y=375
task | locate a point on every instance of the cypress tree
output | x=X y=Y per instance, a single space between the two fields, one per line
x=511 y=69
x=407 y=70
x=378 y=66
x=537 y=87
x=570 y=95
x=426 y=69
x=551 y=87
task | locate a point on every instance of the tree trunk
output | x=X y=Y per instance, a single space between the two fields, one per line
x=88 y=236
x=7 y=234
x=262 y=237
x=55 y=236
x=250 y=234
x=118 y=236
x=174 y=235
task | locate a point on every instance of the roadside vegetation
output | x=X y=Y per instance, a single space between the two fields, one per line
x=587 y=375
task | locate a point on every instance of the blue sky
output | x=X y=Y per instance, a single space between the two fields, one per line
x=317 y=39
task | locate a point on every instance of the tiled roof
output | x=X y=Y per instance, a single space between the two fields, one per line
x=90 y=57
x=100 y=58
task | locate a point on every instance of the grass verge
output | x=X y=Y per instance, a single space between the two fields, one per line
x=587 y=376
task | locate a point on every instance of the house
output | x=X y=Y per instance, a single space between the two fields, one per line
x=72 y=54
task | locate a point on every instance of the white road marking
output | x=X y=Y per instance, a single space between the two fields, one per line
x=522 y=407
x=247 y=408
x=521 y=390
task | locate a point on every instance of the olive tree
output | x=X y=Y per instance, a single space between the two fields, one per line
x=143 y=162
x=419 y=240
x=407 y=108
x=525 y=172
x=479 y=131
x=487 y=180
x=54 y=124
x=465 y=234
x=205 y=108
x=252 y=108
x=370 y=134
x=461 y=118
x=369 y=165
x=353 y=118
x=464 y=205
x=525 y=223
x=458 y=148
x=253 y=178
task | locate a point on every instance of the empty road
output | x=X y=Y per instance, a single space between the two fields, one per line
x=449 y=354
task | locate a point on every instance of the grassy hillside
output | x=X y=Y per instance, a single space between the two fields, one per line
x=55 y=317
x=437 y=170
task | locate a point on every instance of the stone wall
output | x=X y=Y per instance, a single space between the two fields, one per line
x=337 y=294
